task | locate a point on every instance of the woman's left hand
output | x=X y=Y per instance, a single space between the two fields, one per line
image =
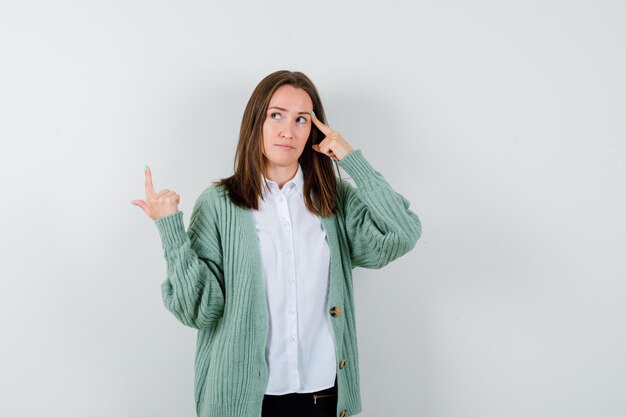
x=333 y=145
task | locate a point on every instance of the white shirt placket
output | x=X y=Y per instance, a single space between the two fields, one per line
x=291 y=288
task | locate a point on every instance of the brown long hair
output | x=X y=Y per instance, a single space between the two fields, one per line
x=244 y=187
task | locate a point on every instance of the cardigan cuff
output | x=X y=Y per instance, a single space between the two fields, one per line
x=359 y=169
x=172 y=230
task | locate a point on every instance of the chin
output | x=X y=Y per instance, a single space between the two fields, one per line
x=283 y=161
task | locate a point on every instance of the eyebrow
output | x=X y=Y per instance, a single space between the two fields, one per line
x=281 y=109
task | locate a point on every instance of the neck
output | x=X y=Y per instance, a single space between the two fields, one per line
x=281 y=174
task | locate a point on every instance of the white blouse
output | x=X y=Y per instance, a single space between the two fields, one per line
x=296 y=266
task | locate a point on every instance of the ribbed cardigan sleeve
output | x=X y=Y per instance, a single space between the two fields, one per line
x=193 y=289
x=380 y=227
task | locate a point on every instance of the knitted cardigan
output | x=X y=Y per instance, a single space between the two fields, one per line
x=215 y=284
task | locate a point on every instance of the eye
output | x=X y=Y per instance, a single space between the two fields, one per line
x=275 y=115
x=302 y=119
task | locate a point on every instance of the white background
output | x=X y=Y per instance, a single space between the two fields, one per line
x=501 y=121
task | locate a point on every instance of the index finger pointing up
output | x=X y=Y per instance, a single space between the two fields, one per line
x=149 y=186
x=321 y=126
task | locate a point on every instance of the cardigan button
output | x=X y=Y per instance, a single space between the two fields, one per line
x=335 y=311
x=342 y=413
x=342 y=363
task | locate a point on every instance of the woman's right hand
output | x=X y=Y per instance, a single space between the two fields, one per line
x=157 y=205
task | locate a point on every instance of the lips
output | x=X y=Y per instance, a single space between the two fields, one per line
x=285 y=146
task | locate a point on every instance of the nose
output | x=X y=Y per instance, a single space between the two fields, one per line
x=287 y=133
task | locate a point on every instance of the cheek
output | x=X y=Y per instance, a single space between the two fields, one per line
x=306 y=131
x=270 y=130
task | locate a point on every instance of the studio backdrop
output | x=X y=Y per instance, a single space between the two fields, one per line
x=501 y=122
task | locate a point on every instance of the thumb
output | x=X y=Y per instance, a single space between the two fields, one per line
x=141 y=204
x=329 y=154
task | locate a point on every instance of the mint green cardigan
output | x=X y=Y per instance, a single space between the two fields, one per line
x=215 y=284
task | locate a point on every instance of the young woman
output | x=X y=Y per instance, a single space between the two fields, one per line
x=264 y=271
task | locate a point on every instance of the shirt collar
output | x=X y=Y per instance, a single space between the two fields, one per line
x=297 y=180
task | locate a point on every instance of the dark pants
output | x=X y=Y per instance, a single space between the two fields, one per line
x=314 y=404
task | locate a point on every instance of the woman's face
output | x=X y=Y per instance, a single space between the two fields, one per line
x=287 y=126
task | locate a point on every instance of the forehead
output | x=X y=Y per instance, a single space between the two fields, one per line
x=291 y=98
